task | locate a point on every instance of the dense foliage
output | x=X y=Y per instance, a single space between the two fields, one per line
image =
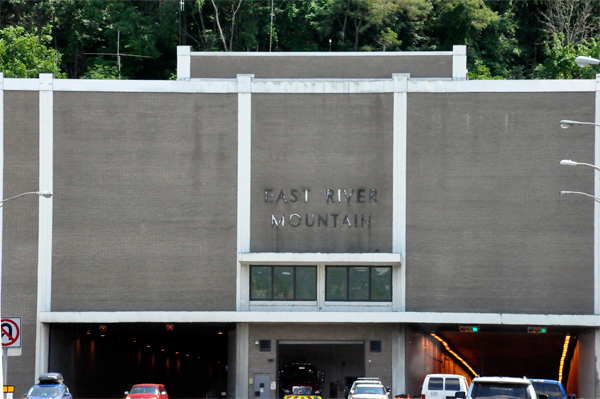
x=506 y=39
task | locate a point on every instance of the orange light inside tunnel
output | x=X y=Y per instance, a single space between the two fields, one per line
x=460 y=359
x=562 y=358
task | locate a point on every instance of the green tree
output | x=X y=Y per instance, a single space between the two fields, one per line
x=560 y=60
x=26 y=55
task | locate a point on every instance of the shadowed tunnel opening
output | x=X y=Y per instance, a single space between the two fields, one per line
x=191 y=360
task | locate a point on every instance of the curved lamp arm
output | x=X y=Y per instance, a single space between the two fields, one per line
x=565 y=123
x=580 y=193
x=573 y=163
x=45 y=194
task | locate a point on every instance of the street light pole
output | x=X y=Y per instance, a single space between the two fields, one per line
x=3 y=363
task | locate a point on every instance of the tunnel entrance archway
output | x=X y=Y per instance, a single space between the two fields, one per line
x=341 y=362
x=492 y=351
x=190 y=360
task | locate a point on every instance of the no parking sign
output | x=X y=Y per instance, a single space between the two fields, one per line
x=11 y=332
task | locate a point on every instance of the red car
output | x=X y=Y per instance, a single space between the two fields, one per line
x=147 y=391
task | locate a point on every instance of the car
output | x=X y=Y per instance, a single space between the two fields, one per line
x=50 y=385
x=553 y=388
x=147 y=391
x=499 y=387
x=368 y=388
x=442 y=386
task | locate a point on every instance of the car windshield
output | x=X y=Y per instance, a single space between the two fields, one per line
x=366 y=390
x=152 y=390
x=547 y=388
x=303 y=374
x=45 y=391
x=497 y=390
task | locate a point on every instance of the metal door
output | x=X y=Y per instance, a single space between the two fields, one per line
x=262 y=386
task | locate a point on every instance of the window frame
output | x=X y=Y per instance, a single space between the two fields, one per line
x=273 y=299
x=370 y=269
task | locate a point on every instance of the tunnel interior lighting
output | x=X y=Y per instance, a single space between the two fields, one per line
x=537 y=330
x=563 y=356
x=220 y=332
x=468 y=328
x=460 y=359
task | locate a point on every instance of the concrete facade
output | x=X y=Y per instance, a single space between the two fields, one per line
x=167 y=193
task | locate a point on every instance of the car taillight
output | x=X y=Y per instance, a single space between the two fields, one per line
x=422 y=396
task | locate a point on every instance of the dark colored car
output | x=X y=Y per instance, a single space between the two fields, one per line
x=554 y=389
x=147 y=391
x=50 y=385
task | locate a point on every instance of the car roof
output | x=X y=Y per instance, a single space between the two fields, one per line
x=543 y=380
x=147 y=384
x=445 y=375
x=506 y=380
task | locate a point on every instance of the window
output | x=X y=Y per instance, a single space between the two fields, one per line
x=358 y=283
x=436 y=384
x=283 y=283
x=452 y=384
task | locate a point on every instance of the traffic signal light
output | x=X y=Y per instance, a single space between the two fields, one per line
x=537 y=330
x=468 y=329
x=169 y=327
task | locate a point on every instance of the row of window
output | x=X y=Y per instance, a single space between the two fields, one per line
x=342 y=283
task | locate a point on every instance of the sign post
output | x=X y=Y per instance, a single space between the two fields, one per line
x=10 y=329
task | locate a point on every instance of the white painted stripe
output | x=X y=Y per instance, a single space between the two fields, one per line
x=148 y=86
x=350 y=86
x=21 y=84
x=597 y=205
x=44 y=282
x=289 y=258
x=243 y=186
x=323 y=317
x=320 y=54
x=500 y=86
x=399 y=189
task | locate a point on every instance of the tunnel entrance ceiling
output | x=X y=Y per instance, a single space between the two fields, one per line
x=511 y=352
x=190 y=360
x=341 y=362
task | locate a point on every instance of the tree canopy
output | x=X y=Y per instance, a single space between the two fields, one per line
x=506 y=39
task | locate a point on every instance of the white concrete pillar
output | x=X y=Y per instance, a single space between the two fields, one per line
x=398 y=360
x=459 y=63
x=243 y=189
x=44 y=282
x=184 y=62
x=242 y=335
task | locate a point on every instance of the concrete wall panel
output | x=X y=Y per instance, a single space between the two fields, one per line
x=320 y=142
x=145 y=201
x=20 y=232
x=321 y=67
x=487 y=230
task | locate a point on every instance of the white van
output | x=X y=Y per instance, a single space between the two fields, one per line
x=443 y=386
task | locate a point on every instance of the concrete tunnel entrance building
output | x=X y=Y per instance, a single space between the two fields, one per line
x=330 y=206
